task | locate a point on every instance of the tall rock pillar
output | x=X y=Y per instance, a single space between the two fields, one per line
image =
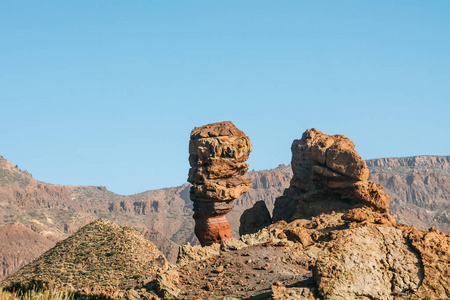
x=217 y=153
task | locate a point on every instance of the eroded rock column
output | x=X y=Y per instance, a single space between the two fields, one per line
x=217 y=153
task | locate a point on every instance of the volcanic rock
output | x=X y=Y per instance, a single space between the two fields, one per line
x=329 y=176
x=433 y=248
x=255 y=218
x=373 y=262
x=216 y=154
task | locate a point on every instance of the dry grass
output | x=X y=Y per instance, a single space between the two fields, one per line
x=33 y=295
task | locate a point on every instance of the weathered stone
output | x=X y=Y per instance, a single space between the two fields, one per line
x=167 y=282
x=367 y=263
x=255 y=218
x=282 y=293
x=434 y=250
x=216 y=154
x=329 y=176
x=188 y=253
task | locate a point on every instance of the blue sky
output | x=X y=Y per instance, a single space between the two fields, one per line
x=107 y=92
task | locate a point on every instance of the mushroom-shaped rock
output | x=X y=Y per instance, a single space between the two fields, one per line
x=217 y=153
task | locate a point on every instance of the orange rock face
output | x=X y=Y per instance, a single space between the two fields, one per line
x=329 y=175
x=217 y=153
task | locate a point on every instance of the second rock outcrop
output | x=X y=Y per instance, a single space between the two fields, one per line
x=329 y=175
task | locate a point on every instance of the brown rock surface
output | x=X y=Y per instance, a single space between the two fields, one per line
x=332 y=258
x=19 y=245
x=328 y=175
x=419 y=189
x=343 y=237
x=434 y=250
x=372 y=262
x=216 y=154
x=255 y=218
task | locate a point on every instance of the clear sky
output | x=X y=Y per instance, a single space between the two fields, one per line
x=107 y=92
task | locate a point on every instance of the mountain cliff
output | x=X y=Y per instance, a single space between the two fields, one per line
x=419 y=188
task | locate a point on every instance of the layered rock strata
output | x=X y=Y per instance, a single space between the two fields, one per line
x=329 y=175
x=217 y=153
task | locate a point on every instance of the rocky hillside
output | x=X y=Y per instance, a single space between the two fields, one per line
x=419 y=195
x=164 y=216
x=20 y=244
x=101 y=258
x=419 y=188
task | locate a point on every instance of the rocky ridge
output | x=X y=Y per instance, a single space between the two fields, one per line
x=419 y=188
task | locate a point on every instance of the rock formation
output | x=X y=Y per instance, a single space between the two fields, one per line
x=339 y=243
x=255 y=218
x=340 y=220
x=217 y=153
x=328 y=175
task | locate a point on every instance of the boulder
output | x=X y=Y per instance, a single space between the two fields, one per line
x=255 y=218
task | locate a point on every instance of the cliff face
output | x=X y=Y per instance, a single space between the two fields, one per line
x=419 y=188
x=19 y=245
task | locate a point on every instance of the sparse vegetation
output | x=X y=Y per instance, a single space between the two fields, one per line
x=35 y=295
x=101 y=254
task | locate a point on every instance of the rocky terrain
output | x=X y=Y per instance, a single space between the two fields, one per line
x=100 y=258
x=164 y=216
x=419 y=188
x=331 y=237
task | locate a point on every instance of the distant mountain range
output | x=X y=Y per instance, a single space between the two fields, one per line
x=35 y=215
